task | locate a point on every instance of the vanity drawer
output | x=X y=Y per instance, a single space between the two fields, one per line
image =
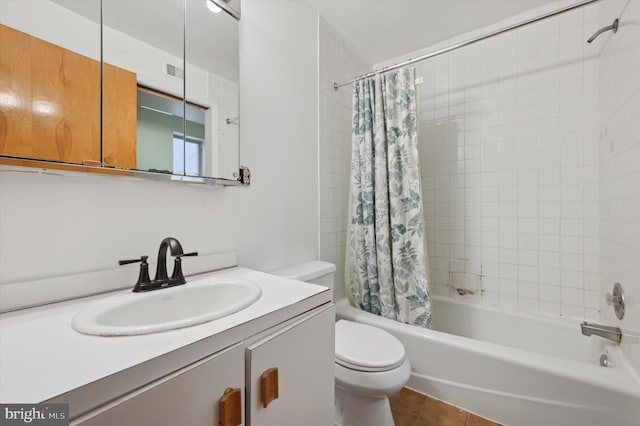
x=189 y=396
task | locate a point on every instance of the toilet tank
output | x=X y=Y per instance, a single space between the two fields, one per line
x=315 y=272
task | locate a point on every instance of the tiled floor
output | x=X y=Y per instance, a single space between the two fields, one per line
x=414 y=409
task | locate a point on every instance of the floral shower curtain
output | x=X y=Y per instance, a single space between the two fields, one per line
x=387 y=265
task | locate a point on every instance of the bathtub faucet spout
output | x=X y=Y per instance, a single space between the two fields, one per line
x=612 y=333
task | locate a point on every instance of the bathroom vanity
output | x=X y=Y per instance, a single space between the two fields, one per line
x=270 y=363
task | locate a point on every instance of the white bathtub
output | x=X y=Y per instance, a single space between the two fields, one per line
x=515 y=369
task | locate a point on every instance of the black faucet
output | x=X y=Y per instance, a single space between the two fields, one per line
x=176 y=250
x=161 y=280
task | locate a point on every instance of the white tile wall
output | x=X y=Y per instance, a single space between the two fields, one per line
x=337 y=62
x=509 y=139
x=620 y=169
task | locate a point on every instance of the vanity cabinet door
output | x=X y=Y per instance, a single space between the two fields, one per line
x=303 y=354
x=189 y=396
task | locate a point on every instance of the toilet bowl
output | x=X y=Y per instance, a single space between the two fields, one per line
x=370 y=363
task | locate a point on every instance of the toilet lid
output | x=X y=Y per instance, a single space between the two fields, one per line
x=366 y=348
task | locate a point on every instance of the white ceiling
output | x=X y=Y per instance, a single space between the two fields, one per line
x=378 y=29
x=384 y=29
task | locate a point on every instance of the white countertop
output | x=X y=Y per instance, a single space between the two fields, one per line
x=43 y=359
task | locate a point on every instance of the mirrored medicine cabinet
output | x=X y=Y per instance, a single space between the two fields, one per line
x=138 y=87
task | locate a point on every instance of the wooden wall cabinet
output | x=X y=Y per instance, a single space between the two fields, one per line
x=119 y=116
x=51 y=110
x=69 y=78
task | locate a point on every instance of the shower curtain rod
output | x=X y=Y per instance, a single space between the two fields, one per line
x=466 y=43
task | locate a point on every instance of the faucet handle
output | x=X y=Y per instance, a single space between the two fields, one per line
x=616 y=299
x=177 y=267
x=193 y=253
x=143 y=277
x=143 y=259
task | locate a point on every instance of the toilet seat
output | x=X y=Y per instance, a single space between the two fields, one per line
x=362 y=347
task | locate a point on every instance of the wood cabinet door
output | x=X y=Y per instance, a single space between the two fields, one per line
x=120 y=116
x=189 y=396
x=51 y=100
x=303 y=353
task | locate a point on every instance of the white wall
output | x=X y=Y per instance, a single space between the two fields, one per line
x=49 y=21
x=620 y=168
x=338 y=62
x=56 y=224
x=277 y=217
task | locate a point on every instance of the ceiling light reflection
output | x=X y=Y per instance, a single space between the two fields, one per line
x=213 y=7
x=44 y=107
x=9 y=100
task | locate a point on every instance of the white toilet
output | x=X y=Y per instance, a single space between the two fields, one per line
x=370 y=364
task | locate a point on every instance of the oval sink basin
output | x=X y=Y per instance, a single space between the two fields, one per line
x=165 y=309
